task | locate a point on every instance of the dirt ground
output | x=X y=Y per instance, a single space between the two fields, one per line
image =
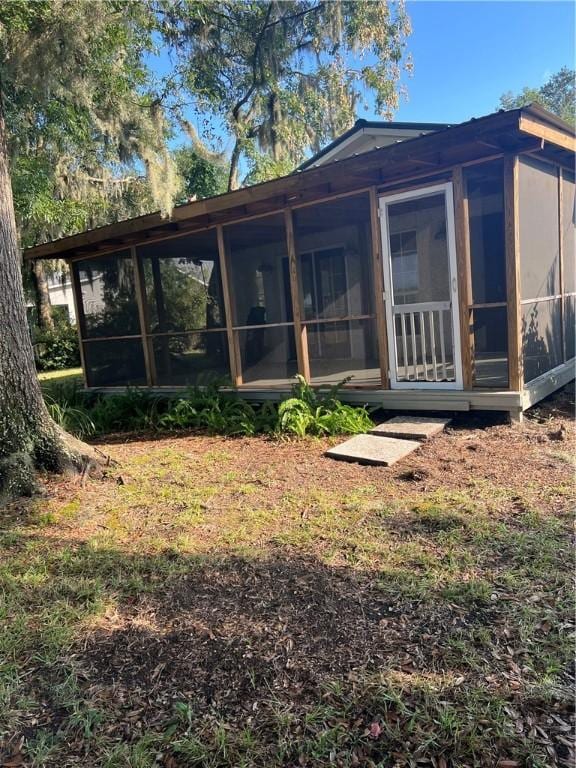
x=249 y=602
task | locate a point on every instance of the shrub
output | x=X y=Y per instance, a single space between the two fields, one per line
x=58 y=349
x=134 y=410
x=68 y=406
x=217 y=412
x=314 y=412
x=209 y=409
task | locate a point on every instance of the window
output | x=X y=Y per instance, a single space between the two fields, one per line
x=405 y=264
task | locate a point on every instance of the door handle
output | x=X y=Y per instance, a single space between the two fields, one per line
x=454 y=285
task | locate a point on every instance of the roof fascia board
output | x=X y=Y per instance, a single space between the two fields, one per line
x=534 y=127
x=325 y=157
x=367 y=130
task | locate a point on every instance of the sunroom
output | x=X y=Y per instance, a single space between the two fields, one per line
x=435 y=273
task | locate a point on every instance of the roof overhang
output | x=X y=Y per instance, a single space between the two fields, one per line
x=529 y=129
x=384 y=133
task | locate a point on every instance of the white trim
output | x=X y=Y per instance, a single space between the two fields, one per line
x=548 y=382
x=385 y=200
x=393 y=134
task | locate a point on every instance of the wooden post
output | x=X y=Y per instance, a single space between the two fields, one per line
x=377 y=267
x=561 y=262
x=78 y=309
x=149 y=361
x=300 y=331
x=233 y=345
x=513 y=289
x=464 y=274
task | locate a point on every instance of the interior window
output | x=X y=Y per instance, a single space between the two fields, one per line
x=405 y=264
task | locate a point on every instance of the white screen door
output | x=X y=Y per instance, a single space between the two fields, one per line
x=421 y=289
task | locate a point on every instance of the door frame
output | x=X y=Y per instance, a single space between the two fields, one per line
x=383 y=202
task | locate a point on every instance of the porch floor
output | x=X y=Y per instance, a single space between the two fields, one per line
x=490 y=372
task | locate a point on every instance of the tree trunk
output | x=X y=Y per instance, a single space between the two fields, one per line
x=29 y=439
x=233 y=181
x=42 y=296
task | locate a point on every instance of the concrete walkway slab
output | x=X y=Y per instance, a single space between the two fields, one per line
x=411 y=427
x=370 y=449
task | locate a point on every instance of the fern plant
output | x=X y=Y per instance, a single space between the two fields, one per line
x=308 y=411
x=316 y=412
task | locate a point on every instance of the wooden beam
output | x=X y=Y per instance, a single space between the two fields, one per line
x=464 y=274
x=548 y=133
x=149 y=361
x=233 y=345
x=378 y=279
x=77 y=295
x=512 y=244
x=300 y=331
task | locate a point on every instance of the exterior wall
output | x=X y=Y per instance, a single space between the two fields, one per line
x=62 y=295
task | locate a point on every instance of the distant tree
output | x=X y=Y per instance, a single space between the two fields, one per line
x=557 y=95
x=284 y=77
x=202 y=176
x=70 y=77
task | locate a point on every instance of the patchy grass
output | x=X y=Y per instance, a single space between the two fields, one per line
x=242 y=602
x=60 y=377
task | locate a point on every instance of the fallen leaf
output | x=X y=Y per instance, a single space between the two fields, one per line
x=375 y=730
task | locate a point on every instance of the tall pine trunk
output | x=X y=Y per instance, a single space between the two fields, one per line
x=29 y=439
x=42 y=296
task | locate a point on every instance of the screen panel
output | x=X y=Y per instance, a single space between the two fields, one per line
x=419 y=250
x=334 y=251
x=568 y=231
x=541 y=337
x=108 y=296
x=191 y=359
x=268 y=355
x=490 y=365
x=538 y=229
x=183 y=283
x=570 y=326
x=259 y=272
x=485 y=190
x=343 y=350
x=114 y=363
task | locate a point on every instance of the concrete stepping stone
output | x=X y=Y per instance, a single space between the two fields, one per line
x=410 y=427
x=370 y=449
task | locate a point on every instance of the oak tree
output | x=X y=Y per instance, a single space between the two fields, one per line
x=284 y=77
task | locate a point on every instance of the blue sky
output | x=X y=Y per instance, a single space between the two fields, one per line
x=467 y=53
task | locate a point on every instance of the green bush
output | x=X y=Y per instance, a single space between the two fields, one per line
x=314 y=412
x=58 y=349
x=133 y=411
x=208 y=409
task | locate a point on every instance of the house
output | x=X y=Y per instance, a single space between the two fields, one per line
x=433 y=271
x=62 y=297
